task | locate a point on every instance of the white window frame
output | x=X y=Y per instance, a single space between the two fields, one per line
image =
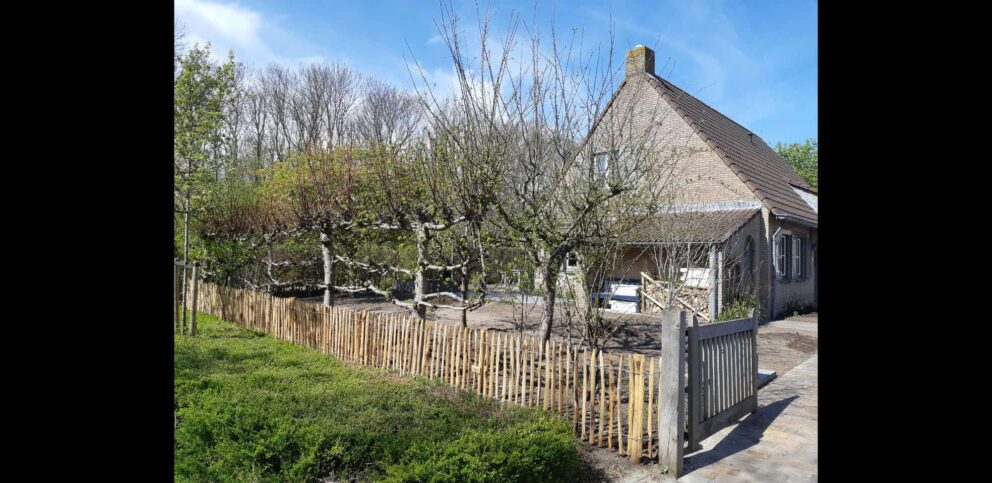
x=797 y=257
x=781 y=257
x=570 y=267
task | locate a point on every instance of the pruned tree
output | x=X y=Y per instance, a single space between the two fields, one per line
x=530 y=108
x=320 y=190
x=410 y=193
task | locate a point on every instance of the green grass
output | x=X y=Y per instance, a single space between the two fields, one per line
x=253 y=408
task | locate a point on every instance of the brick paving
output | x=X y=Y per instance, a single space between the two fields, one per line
x=778 y=443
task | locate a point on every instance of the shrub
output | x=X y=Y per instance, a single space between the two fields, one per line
x=252 y=408
x=538 y=451
x=740 y=308
x=794 y=307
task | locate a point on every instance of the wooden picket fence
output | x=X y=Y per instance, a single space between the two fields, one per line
x=611 y=399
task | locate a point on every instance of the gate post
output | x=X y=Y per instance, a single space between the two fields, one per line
x=671 y=402
x=696 y=390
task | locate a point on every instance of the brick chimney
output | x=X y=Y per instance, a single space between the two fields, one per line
x=640 y=59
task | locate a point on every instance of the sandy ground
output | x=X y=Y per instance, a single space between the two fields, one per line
x=636 y=333
x=782 y=345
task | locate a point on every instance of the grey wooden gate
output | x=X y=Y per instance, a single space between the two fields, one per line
x=723 y=375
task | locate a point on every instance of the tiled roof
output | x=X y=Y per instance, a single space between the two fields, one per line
x=761 y=168
x=690 y=226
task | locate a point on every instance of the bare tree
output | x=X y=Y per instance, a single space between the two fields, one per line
x=341 y=85
x=256 y=115
x=388 y=116
x=530 y=108
x=277 y=89
x=307 y=105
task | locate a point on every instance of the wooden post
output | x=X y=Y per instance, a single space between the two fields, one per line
x=592 y=397
x=192 y=320
x=613 y=402
x=620 y=405
x=175 y=294
x=754 y=362
x=695 y=386
x=585 y=392
x=650 y=409
x=602 y=400
x=671 y=402
x=185 y=299
x=714 y=281
x=636 y=429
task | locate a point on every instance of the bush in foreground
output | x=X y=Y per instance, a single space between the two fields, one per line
x=249 y=407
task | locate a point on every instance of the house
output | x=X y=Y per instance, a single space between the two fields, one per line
x=743 y=222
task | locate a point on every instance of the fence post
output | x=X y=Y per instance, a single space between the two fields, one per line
x=182 y=322
x=754 y=361
x=192 y=324
x=671 y=401
x=175 y=295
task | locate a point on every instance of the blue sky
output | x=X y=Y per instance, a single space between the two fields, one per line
x=755 y=61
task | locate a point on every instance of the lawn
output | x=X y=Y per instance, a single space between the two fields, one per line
x=252 y=408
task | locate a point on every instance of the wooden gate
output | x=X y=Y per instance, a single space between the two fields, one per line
x=723 y=375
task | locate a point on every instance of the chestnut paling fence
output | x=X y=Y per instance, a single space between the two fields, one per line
x=610 y=399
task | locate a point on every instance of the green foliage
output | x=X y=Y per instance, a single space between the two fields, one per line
x=200 y=93
x=803 y=157
x=794 y=307
x=740 y=308
x=252 y=408
x=536 y=451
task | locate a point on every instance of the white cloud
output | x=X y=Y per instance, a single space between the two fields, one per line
x=254 y=37
x=225 y=26
x=435 y=39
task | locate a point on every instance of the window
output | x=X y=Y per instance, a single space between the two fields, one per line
x=780 y=258
x=571 y=261
x=798 y=251
x=790 y=257
x=602 y=163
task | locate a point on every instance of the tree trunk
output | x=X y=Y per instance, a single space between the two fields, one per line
x=419 y=282
x=550 y=293
x=325 y=248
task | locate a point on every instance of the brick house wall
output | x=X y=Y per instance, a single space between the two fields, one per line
x=801 y=292
x=700 y=176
